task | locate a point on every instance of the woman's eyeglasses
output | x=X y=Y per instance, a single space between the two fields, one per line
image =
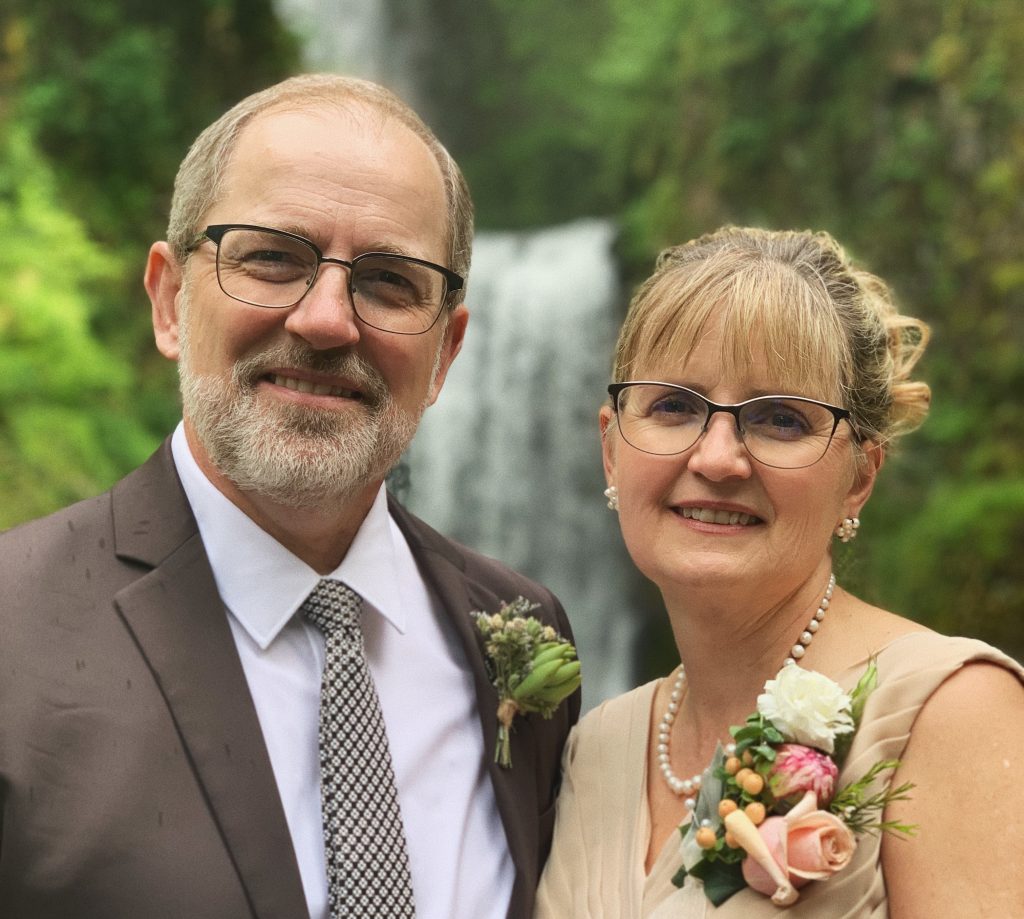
x=786 y=432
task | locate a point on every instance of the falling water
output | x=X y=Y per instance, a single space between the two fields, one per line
x=508 y=460
x=362 y=38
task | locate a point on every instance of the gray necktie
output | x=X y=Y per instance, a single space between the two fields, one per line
x=367 y=863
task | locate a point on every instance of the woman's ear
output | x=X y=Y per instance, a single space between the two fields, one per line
x=868 y=464
x=606 y=423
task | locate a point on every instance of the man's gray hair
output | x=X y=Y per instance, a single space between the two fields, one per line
x=200 y=180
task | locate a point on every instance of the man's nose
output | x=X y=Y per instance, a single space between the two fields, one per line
x=325 y=317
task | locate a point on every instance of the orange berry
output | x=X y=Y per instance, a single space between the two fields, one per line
x=756 y=812
x=726 y=806
x=748 y=758
x=753 y=784
x=741 y=776
x=732 y=765
x=730 y=840
x=705 y=837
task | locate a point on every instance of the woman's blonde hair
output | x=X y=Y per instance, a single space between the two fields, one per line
x=793 y=301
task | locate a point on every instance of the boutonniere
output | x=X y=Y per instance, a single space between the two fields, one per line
x=531 y=666
x=768 y=815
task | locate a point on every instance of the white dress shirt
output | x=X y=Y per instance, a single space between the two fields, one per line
x=458 y=853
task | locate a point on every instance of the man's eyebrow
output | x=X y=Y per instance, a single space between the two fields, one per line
x=295 y=229
x=389 y=248
x=299 y=230
x=386 y=248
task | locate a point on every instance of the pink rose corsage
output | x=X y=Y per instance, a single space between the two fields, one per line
x=768 y=815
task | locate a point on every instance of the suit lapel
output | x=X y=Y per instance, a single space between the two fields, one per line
x=180 y=625
x=443 y=566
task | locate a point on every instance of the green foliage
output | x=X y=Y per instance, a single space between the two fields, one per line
x=525 y=141
x=65 y=398
x=117 y=89
x=757 y=736
x=954 y=564
x=721 y=879
x=862 y=812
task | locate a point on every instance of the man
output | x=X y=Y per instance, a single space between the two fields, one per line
x=167 y=724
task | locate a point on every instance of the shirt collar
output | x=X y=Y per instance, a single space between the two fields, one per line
x=261 y=582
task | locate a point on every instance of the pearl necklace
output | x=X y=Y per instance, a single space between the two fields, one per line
x=690 y=787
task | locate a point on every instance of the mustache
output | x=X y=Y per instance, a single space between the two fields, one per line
x=367 y=379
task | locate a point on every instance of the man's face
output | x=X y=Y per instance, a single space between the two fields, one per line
x=308 y=404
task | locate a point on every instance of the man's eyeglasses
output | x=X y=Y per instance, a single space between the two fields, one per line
x=786 y=432
x=275 y=269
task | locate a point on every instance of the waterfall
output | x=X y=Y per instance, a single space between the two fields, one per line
x=508 y=460
x=333 y=32
x=362 y=38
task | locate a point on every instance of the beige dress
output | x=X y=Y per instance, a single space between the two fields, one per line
x=596 y=868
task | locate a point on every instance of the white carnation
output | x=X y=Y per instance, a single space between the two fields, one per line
x=807 y=707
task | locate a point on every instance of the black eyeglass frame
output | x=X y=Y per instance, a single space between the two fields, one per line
x=713 y=408
x=215 y=233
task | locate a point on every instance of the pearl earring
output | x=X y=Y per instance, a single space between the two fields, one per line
x=612 y=494
x=847 y=530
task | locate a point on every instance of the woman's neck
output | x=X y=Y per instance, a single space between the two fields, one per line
x=730 y=646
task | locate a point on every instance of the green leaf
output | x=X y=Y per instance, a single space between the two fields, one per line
x=747 y=734
x=865 y=686
x=721 y=879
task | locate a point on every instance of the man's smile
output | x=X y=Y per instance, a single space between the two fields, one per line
x=303 y=385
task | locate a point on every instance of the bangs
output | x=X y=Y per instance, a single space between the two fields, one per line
x=771 y=320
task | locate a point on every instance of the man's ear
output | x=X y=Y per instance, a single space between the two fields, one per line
x=163 y=280
x=454 y=334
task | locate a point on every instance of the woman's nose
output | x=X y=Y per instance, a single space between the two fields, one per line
x=719 y=452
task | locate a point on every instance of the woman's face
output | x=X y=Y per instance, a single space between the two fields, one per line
x=679 y=513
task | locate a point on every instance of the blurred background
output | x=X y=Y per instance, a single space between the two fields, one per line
x=592 y=134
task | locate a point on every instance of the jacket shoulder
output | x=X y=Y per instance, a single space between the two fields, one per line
x=56 y=540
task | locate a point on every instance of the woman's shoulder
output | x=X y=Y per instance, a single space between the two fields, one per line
x=621 y=721
x=913 y=666
x=624 y=707
x=901 y=647
x=912 y=669
x=962 y=754
x=962 y=680
x=926 y=656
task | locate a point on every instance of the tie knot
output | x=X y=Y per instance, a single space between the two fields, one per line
x=333 y=607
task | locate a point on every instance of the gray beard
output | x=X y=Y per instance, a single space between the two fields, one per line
x=294 y=455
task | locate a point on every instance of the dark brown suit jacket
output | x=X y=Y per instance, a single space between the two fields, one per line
x=134 y=781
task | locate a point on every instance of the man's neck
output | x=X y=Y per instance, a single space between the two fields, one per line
x=320 y=535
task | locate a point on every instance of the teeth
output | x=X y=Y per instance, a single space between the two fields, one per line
x=707 y=515
x=316 y=389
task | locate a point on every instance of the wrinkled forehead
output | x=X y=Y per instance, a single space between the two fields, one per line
x=769 y=324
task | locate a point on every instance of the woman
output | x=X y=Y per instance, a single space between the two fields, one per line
x=729 y=502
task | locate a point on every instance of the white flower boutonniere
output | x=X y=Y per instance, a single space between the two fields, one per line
x=807 y=707
x=531 y=666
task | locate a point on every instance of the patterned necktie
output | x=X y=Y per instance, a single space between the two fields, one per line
x=367 y=863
